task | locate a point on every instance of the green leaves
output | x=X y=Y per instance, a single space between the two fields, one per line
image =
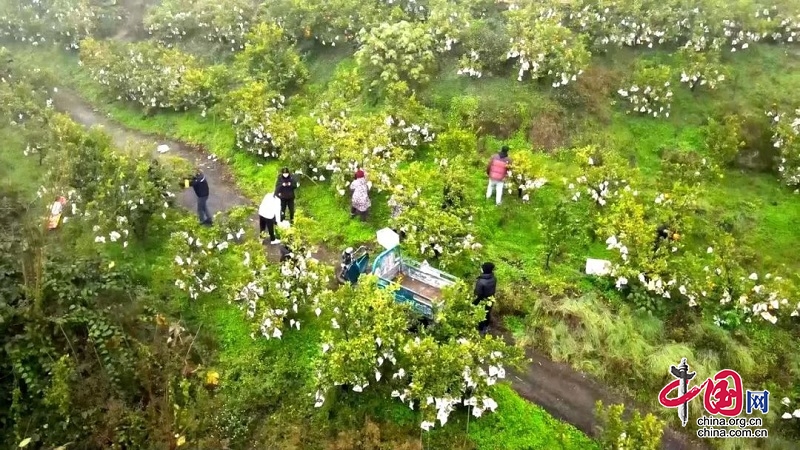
x=723 y=139
x=254 y=110
x=366 y=330
x=786 y=138
x=617 y=434
x=151 y=75
x=395 y=52
x=65 y=22
x=367 y=344
x=648 y=90
x=545 y=47
x=701 y=68
x=212 y=21
x=269 y=56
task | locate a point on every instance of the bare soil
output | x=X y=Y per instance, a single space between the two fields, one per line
x=570 y=395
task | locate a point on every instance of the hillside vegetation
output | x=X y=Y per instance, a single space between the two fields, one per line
x=623 y=117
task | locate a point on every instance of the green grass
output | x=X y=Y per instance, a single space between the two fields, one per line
x=17 y=170
x=520 y=425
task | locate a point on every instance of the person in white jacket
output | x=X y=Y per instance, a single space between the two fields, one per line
x=268 y=214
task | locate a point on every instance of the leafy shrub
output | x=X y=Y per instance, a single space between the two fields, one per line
x=367 y=340
x=269 y=56
x=255 y=112
x=701 y=68
x=648 y=90
x=209 y=20
x=328 y=22
x=544 y=47
x=66 y=22
x=617 y=434
x=723 y=139
x=401 y=51
x=525 y=175
x=485 y=42
x=152 y=76
x=786 y=138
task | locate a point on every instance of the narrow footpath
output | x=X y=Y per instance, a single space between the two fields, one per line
x=563 y=392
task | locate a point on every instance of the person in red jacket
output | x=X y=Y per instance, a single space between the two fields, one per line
x=497 y=171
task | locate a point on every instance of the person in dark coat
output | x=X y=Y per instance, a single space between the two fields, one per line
x=664 y=235
x=286 y=252
x=485 y=288
x=284 y=190
x=200 y=185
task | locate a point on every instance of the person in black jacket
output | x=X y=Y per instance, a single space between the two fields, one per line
x=284 y=190
x=664 y=235
x=200 y=185
x=485 y=288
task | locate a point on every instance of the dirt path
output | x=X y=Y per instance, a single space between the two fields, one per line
x=224 y=194
x=565 y=393
x=570 y=395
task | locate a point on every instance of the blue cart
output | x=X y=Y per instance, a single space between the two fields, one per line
x=353 y=265
x=420 y=284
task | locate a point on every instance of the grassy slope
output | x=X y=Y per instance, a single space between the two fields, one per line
x=764 y=212
x=15 y=169
x=763 y=209
x=517 y=424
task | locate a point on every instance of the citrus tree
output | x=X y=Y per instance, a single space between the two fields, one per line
x=544 y=47
x=226 y=23
x=716 y=282
x=701 y=68
x=525 y=175
x=400 y=51
x=446 y=366
x=152 y=76
x=450 y=364
x=282 y=296
x=723 y=139
x=603 y=176
x=430 y=232
x=786 y=138
x=327 y=22
x=63 y=22
x=648 y=91
x=269 y=56
x=29 y=112
x=367 y=329
x=255 y=112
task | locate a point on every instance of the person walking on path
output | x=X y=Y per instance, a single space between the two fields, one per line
x=284 y=190
x=360 y=203
x=497 y=171
x=268 y=213
x=200 y=185
x=485 y=288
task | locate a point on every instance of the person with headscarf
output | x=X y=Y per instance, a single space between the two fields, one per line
x=497 y=171
x=485 y=288
x=200 y=185
x=284 y=190
x=360 y=203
